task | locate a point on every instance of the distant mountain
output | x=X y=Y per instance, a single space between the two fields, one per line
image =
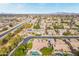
x=57 y=13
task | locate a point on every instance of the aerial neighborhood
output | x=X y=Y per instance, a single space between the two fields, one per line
x=39 y=34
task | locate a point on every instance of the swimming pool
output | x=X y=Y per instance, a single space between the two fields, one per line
x=35 y=53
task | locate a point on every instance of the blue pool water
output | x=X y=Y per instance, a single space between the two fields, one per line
x=35 y=53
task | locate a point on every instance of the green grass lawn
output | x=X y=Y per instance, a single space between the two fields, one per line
x=21 y=51
x=29 y=45
x=46 y=51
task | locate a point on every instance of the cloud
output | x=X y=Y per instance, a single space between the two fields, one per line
x=19 y=7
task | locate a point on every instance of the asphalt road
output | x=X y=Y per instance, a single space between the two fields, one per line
x=49 y=37
x=1 y=35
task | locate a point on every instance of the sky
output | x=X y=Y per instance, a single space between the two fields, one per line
x=27 y=8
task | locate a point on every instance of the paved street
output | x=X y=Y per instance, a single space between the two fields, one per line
x=1 y=35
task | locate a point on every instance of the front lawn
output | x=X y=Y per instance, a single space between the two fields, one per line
x=46 y=51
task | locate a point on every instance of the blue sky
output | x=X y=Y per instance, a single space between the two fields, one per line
x=23 y=8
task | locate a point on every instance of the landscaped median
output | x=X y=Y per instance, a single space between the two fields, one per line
x=10 y=41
